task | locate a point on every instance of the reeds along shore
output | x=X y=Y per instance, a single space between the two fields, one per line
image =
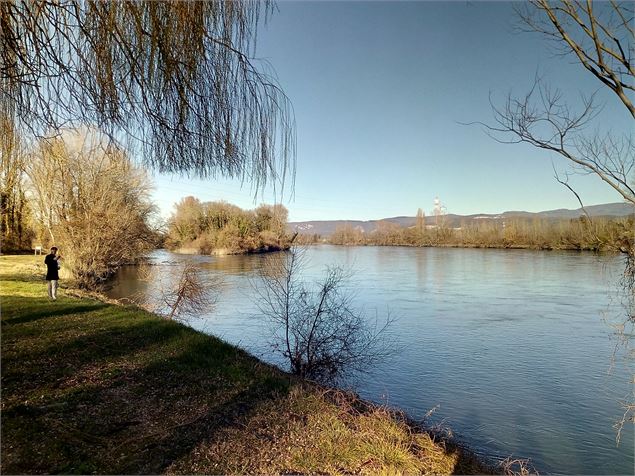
x=599 y=234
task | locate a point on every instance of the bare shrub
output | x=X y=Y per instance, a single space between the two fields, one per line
x=517 y=467
x=318 y=328
x=192 y=295
x=624 y=332
x=182 y=294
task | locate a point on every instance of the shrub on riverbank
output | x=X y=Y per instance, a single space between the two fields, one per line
x=92 y=387
x=209 y=227
x=92 y=201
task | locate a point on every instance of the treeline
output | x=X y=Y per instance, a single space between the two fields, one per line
x=220 y=227
x=598 y=234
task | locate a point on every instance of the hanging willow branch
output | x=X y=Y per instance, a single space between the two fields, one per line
x=174 y=80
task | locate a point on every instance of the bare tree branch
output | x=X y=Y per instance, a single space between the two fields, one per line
x=587 y=33
x=324 y=336
x=542 y=118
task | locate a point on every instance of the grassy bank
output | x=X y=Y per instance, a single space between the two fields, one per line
x=91 y=387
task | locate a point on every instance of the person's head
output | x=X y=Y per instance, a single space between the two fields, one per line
x=53 y=250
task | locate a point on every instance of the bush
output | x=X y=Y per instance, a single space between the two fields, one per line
x=319 y=330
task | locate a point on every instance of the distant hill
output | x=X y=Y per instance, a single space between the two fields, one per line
x=327 y=227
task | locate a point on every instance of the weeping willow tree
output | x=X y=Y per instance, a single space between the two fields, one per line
x=174 y=81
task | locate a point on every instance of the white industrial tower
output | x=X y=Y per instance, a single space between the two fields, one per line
x=439 y=209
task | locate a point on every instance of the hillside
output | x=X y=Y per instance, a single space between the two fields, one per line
x=327 y=227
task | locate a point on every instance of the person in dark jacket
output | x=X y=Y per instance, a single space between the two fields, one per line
x=52 y=272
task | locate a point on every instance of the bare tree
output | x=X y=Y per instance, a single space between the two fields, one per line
x=321 y=333
x=600 y=37
x=94 y=203
x=421 y=221
x=191 y=295
x=175 y=80
x=543 y=119
x=15 y=231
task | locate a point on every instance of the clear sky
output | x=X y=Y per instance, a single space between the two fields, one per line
x=379 y=90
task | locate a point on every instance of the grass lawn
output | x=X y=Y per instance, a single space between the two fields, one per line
x=91 y=387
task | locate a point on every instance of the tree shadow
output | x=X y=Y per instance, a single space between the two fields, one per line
x=123 y=392
x=62 y=311
x=117 y=395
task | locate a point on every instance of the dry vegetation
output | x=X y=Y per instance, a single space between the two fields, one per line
x=599 y=234
x=321 y=431
x=220 y=227
x=91 y=201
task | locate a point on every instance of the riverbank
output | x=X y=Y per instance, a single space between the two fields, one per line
x=599 y=234
x=480 y=246
x=92 y=387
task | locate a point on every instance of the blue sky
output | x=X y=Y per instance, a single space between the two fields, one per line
x=380 y=90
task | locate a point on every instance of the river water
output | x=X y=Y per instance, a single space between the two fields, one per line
x=514 y=349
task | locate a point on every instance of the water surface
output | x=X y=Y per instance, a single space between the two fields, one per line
x=513 y=348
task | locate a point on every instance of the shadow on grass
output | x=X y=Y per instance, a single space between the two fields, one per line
x=65 y=309
x=138 y=422
x=84 y=345
x=113 y=436
x=123 y=392
x=119 y=392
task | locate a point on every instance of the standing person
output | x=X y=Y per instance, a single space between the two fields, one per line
x=52 y=272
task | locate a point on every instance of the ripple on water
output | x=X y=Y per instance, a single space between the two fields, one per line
x=513 y=345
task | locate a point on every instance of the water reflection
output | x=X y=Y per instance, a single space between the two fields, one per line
x=509 y=343
x=238 y=265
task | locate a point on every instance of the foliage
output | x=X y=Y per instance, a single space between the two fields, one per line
x=207 y=109
x=347 y=235
x=320 y=332
x=207 y=227
x=92 y=203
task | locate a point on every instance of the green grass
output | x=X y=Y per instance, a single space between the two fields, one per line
x=91 y=387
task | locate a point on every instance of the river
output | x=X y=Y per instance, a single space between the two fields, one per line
x=514 y=349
